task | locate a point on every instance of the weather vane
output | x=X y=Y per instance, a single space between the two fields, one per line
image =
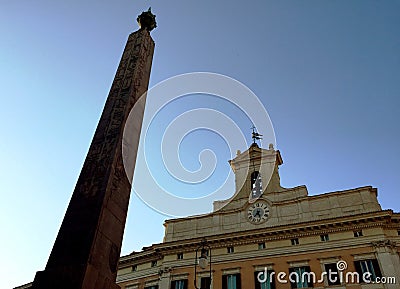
x=255 y=135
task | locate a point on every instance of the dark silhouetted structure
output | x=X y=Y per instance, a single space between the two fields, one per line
x=86 y=252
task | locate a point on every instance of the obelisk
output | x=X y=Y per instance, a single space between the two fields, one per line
x=87 y=248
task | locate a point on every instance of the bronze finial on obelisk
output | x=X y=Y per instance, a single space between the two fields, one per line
x=87 y=248
x=147 y=20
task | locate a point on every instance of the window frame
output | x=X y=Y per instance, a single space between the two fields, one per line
x=324 y=237
x=226 y=281
x=205 y=284
x=302 y=284
x=295 y=241
x=270 y=283
x=262 y=246
x=182 y=283
x=368 y=264
x=332 y=265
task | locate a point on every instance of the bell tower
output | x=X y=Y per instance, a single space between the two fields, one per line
x=87 y=248
x=256 y=173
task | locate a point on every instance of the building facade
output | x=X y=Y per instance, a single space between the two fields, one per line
x=274 y=237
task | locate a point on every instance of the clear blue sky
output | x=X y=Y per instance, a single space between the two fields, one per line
x=328 y=73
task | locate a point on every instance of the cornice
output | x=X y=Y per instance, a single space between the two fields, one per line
x=257 y=256
x=282 y=202
x=276 y=233
x=138 y=274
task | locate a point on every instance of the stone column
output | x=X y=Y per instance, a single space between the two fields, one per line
x=165 y=278
x=389 y=261
x=86 y=252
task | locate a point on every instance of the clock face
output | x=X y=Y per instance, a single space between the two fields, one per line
x=258 y=212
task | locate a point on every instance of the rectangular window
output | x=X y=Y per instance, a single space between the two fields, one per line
x=261 y=246
x=205 y=283
x=230 y=249
x=179 y=256
x=153 y=263
x=134 y=268
x=358 y=234
x=324 y=237
x=332 y=274
x=268 y=281
x=301 y=277
x=294 y=241
x=231 y=281
x=368 y=266
x=398 y=232
x=179 y=284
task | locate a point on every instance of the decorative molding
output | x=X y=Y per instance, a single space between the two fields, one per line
x=329 y=260
x=180 y=276
x=149 y=272
x=151 y=282
x=164 y=270
x=261 y=267
x=256 y=255
x=205 y=273
x=255 y=236
x=384 y=243
x=298 y=263
x=367 y=256
x=231 y=271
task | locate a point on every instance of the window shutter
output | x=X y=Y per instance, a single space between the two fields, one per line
x=224 y=281
x=272 y=280
x=358 y=268
x=292 y=284
x=377 y=270
x=238 y=282
x=308 y=269
x=205 y=283
x=332 y=267
x=257 y=284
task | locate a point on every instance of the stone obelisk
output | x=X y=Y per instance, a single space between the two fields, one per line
x=86 y=252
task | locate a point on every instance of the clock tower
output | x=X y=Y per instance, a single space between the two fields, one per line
x=256 y=175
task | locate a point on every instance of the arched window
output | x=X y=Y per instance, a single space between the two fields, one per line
x=256 y=184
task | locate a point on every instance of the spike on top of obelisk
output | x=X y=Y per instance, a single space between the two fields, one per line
x=147 y=20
